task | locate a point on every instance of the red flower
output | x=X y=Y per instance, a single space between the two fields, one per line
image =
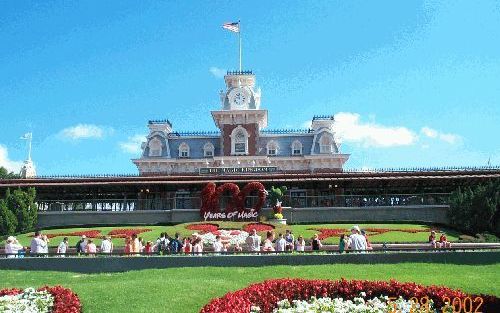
x=203 y=227
x=266 y=294
x=125 y=233
x=258 y=227
x=65 y=300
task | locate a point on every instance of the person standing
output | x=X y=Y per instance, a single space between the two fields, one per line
x=135 y=245
x=253 y=242
x=38 y=245
x=357 y=241
x=300 y=244
x=217 y=245
x=91 y=248
x=62 y=248
x=176 y=244
x=197 y=246
x=290 y=240
x=316 y=244
x=187 y=246
x=281 y=243
x=107 y=245
x=268 y=243
x=81 y=245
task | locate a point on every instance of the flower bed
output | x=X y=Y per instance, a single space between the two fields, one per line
x=268 y=294
x=258 y=227
x=203 y=227
x=228 y=236
x=336 y=232
x=127 y=232
x=55 y=299
x=88 y=233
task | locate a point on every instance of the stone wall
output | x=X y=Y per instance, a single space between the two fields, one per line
x=426 y=214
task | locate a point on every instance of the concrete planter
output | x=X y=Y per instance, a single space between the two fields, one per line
x=278 y=221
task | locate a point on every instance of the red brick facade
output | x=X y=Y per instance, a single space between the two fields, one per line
x=253 y=132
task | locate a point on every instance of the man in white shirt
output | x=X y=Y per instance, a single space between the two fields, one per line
x=357 y=242
x=107 y=245
x=38 y=245
x=63 y=247
x=253 y=241
x=280 y=243
x=217 y=245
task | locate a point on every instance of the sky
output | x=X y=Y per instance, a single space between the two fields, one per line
x=411 y=83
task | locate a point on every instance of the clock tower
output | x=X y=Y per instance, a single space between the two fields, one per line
x=241 y=118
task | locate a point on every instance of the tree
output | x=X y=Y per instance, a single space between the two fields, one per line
x=22 y=204
x=8 y=221
x=476 y=209
x=5 y=174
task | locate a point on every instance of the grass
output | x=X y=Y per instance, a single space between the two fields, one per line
x=305 y=230
x=189 y=289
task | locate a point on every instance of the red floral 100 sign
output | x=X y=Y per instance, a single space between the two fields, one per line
x=235 y=207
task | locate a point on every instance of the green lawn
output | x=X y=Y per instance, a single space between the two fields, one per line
x=305 y=230
x=189 y=289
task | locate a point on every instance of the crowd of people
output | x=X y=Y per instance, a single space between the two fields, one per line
x=356 y=241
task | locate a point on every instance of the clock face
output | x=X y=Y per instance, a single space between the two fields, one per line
x=239 y=97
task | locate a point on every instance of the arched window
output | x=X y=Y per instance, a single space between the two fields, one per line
x=208 y=150
x=272 y=148
x=184 y=150
x=239 y=141
x=296 y=148
x=155 y=147
x=326 y=144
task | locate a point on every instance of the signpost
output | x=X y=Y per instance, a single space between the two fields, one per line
x=238 y=170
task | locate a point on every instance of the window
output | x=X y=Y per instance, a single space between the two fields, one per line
x=239 y=141
x=184 y=150
x=155 y=147
x=208 y=150
x=296 y=148
x=326 y=144
x=272 y=148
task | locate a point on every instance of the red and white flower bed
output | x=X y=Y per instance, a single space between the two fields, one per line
x=293 y=295
x=44 y=300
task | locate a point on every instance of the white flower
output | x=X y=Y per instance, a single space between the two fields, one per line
x=29 y=301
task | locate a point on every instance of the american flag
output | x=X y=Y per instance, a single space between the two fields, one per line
x=234 y=27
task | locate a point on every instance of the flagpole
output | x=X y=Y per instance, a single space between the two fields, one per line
x=239 y=37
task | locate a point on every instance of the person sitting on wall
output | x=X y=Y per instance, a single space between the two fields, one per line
x=368 y=243
x=187 y=246
x=107 y=245
x=12 y=247
x=62 y=248
x=433 y=241
x=316 y=244
x=91 y=248
x=281 y=243
x=443 y=241
x=268 y=243
x=300 y=245
x=357 y=241
x=253 y=241
x=290 y=240
x=81 y=245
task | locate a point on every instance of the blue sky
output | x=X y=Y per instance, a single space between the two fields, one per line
x=413 y=83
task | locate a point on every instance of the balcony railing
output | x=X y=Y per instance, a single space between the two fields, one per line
x=194 y=203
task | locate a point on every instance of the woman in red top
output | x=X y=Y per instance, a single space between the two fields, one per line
x=444 y=241
x=187 y=246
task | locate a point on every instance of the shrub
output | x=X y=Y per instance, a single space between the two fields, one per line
x=8 y=221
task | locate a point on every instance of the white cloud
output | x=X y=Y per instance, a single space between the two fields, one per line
x=217 y=72
x=446 y=137
x=133 y=144
x=10 y=165
x=350 y=128
x=85 y=131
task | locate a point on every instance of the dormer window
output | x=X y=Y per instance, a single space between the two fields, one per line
x=272 y=148
x=326 y=144
x=296 y=148
x=239 y=141
x=184 y=150
x=155 y=147
x=208 y=150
